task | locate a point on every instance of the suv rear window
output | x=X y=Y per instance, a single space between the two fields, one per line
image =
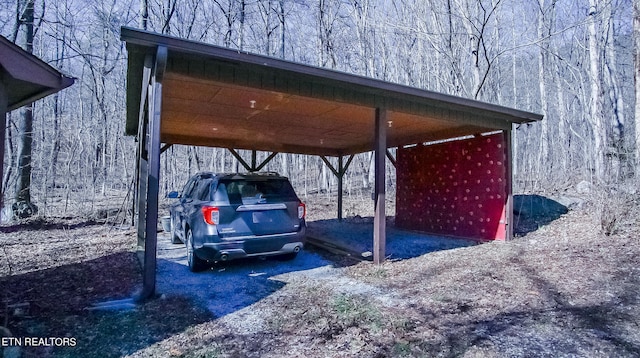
x=255 y=191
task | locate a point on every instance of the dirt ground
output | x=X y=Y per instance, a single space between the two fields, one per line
x=562 y=288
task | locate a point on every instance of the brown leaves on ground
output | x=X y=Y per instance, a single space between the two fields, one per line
x=566 y=289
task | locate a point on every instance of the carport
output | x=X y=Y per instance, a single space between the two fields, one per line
x=190 y=93
x=24 y=79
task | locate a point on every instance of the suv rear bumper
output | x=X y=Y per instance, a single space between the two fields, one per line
x=251 y=246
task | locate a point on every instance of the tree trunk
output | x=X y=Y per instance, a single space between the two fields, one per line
x=144 y=10
x=23 y=207
x=595 y=108
x=243 y=7
x=282 y=29
x=543 y=153
x=636 y=39
x=284 y=164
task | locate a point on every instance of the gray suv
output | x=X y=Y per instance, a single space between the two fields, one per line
x=223 y=217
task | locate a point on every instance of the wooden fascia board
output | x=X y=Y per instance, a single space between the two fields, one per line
x=269 y=79
x=24 y=69
x=371 y=87
x=135 y=70
x=24 y=66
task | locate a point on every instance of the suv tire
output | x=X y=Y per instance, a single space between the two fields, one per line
x=195 y=263
x=174 y=235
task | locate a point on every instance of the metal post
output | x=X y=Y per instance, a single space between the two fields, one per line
x=379 y=221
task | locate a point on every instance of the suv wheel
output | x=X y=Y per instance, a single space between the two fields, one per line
x=195 y=263
x=174 y=235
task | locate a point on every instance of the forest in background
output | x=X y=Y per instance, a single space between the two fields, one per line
x=572 y=61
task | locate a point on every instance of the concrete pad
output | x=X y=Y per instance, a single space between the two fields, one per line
x=226 y=287
x=355 y=236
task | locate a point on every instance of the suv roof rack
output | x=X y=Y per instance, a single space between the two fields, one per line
x=276 y=174
x=248 y=174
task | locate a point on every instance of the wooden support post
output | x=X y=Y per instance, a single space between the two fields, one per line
x=339 y=173
x=508 y=155
x=380 y=219
x=140 y=194
x=254 y=159
x=3 y=127
x=138 y=205
x=153 y=177
x=340 y=177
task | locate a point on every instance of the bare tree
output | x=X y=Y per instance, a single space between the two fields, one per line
x=144 y=14
x=636 y=53
x=477 y=16
x=618 y=146
x=326 y=19
x=23 y=207
x=571 y=63
x=595 y=107
x=545 y=17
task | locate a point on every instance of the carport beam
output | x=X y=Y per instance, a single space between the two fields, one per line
x=142 y=159
x=340 y=185
x=153 y=182
x=165 y=147
x=379 y=221
x=254 y=167
x=3 y=127
x=339 y=173
x=266 y=161
x=509 y=183
x=391 y=158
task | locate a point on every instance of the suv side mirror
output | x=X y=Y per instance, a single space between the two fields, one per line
x=173 y=195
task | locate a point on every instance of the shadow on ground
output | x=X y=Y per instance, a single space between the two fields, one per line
x=59 y=301
x=43 y=224
x=603 y=325
x=355 y=236
x=533 y=211
x=52 y=303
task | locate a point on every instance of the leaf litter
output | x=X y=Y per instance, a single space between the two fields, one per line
x=565 y=289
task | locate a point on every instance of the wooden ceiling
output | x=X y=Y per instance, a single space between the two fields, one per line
x=212 y=113
x=221 y=98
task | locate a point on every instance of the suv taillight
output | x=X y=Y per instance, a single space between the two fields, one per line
x=211 y=215
x=302 y=211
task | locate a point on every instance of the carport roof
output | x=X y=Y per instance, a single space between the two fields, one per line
x=26 y=77
x=217 y=97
